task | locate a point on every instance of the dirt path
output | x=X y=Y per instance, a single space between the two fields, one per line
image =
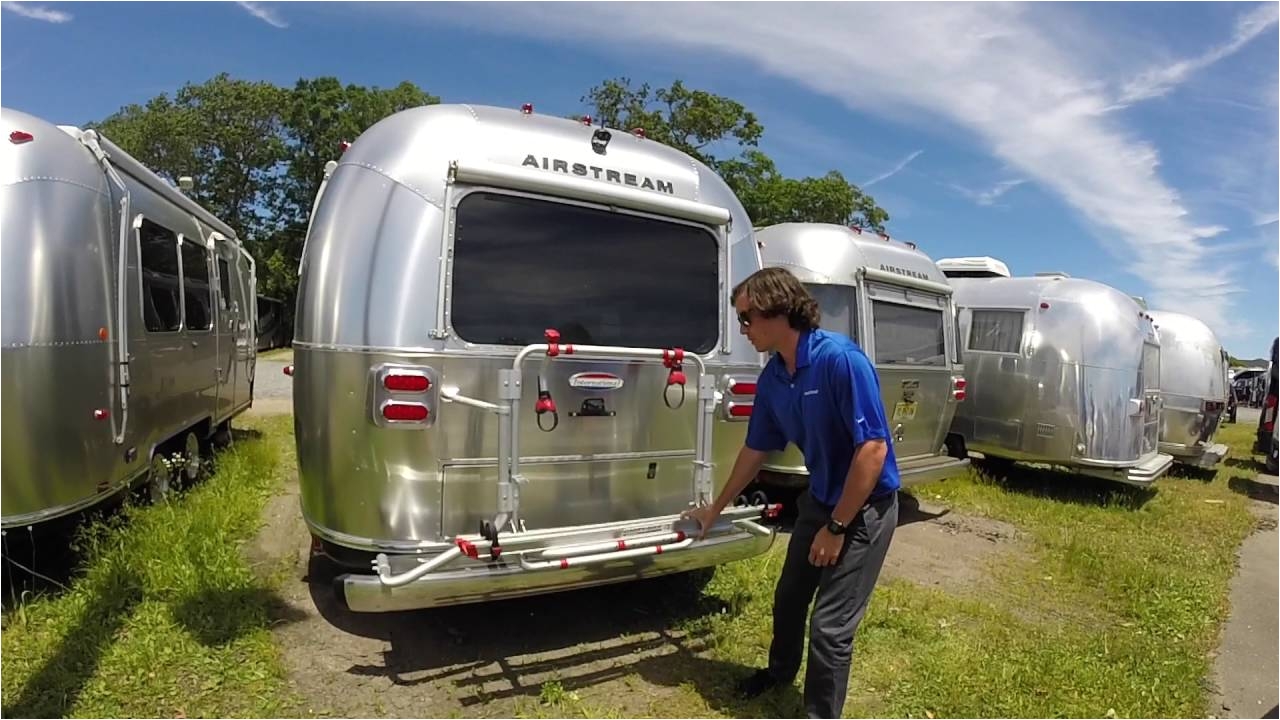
x=612 y=643
x=1245 y=667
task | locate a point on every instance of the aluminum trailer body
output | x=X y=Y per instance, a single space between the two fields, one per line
x=513 y=351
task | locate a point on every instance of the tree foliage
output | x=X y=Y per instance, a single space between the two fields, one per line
x=256 y=153
x=725 y=136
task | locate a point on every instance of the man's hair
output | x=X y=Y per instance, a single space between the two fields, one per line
x=775 y=292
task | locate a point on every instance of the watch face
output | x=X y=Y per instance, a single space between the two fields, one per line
x=835 y=528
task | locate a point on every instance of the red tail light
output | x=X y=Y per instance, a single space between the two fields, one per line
x=288 y=370
x=405 y=412
x=406 y=383
x=742 y=388
x=101 y=414
x=958 y=389
x=1270 y=401
x=740 y=410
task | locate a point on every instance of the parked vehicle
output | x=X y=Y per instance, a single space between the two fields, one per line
x=127 y=323
x=516 y=363
x=1265 y=442
x=894 y=302
x=1061 y=371
x=1193 y=389
x=273 y=332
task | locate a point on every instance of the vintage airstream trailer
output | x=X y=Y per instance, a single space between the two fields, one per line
x=515 y=360
x=1061 y=371
x=1193 y=389
x=127 y=323
x=893 y=301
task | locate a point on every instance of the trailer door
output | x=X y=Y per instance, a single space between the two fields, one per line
x=909 y=347
x=1151 y=406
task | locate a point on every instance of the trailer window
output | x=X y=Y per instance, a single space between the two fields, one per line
x=838 y=304
x=158 y=250
x=224 y=285
x=195 y=285
x=522 y=265
x=907 y=335
x=1150 y=367
x=998 y=331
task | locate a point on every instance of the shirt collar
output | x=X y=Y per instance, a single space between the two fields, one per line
x=804 y=347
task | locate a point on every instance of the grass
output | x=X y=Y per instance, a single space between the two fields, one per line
x=284 y=354
x=166 y=618
x=1110 y=607
x=1114 y=608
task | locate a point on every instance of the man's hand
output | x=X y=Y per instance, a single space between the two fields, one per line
x=825 y=549
x=705 y=516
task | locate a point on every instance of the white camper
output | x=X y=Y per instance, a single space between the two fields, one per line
x=128 y=323
x=891 y=299
x=1061 y=371
x=1193 y=388
x=516 y=363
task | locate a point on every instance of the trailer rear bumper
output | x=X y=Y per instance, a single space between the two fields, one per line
x=1143 y=474
x=911 y=471
x=1198 y=455
x=549 y=562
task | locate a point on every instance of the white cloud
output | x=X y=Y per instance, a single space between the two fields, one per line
x=264 y=14
x=988 y=197
x=1159 y=81
x=896 y=169
x=999 y=72
x=36 y=12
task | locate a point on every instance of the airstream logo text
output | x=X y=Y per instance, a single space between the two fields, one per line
x=599 y=173
x=904 y=271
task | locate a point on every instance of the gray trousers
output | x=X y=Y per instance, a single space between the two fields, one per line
x=843 y=590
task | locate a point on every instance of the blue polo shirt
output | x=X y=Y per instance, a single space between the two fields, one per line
x=828 y=408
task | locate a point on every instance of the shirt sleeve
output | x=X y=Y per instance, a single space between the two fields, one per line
x=763 y=432
x=857 y=392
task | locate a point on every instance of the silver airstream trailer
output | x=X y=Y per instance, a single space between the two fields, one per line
x=1061 y=371
x=893 y=301
x=515 y=359
x=127 y=323
x=1193 y=386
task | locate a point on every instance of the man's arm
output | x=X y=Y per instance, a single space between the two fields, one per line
x=854 y=381
x=744 y=471
x=864 y=472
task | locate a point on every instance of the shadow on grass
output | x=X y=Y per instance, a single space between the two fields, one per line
x=1063 y=487
x=506 y=649
x=55 y=688
x=1252 y=488
x=218 y=617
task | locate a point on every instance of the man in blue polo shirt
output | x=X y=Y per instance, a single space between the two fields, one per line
x=819 y=391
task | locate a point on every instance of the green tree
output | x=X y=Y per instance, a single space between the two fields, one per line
x=225 y=134
x=320 y=115
x=725 y=136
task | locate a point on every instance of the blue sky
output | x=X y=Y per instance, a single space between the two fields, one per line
x=1133 y=144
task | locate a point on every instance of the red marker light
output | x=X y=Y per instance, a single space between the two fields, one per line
x=527 y=108
x=18 y=137
x=406 y=383
x=405 y=412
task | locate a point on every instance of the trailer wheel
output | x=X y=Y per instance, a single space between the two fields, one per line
x=222 y=436
x=191 y=457
x=160 y=478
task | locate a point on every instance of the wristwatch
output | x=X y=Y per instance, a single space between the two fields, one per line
x=835 y=527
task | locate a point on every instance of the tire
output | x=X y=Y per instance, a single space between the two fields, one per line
x=192 y=457
x=160 y=478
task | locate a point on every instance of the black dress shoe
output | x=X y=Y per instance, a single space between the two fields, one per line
x=757 y=683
